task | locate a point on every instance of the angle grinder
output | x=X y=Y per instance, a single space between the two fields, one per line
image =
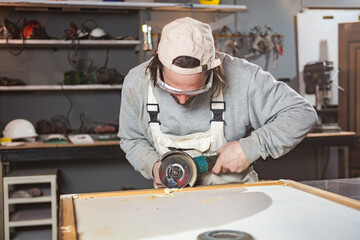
x=178 y=169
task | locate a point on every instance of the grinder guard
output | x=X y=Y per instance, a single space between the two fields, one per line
x=177 y=170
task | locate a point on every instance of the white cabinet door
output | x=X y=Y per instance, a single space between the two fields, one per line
x=317 y=36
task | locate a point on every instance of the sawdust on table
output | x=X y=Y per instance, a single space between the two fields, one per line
x=209 y=200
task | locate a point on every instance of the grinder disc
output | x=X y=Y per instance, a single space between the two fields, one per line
x=177 y=170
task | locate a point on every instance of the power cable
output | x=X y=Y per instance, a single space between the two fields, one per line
x=68 y=123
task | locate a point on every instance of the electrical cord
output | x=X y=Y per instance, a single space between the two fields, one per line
x=82 y=127
x=73 y=59
x=75 y=43
x=12 y=51
x=20 y=36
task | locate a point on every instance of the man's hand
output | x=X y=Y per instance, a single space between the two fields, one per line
x=157 y=181
x=231 y=159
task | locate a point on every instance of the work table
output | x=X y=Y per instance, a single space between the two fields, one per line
x=348 y=187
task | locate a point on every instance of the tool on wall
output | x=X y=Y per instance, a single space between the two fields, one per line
x=5 y=81
x=84 y=72
x=262 y=43
x=147 y=43
x=318 y=81
x=57 y=124
x=82 y=32
x=250 y=45
x=178 y=169
x=10 y=30
x=85 y=31
x=34 y=30
x=228 y=41
x=278 y=49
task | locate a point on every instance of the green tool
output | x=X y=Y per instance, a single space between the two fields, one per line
x=205 y=163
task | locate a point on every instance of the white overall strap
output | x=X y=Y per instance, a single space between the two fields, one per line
x=217 y=106
x=153 y=110
x=152 y=107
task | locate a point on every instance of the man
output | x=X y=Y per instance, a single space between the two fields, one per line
x=191 y=98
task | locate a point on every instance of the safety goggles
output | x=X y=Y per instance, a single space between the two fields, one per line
x=173 y=90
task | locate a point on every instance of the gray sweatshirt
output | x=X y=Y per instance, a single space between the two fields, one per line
x=280 y=117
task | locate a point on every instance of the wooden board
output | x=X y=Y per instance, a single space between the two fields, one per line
x=35 y=145
x=266 y=210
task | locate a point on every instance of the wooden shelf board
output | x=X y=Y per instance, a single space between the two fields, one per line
x=38 y=234
x=39 y=222
x=30 y=200
x=61 y=87
x=55 y=43
x=31 y=217
x=83 y=5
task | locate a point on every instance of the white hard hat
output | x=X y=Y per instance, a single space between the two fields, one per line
x=98 y=33
x=19 y=129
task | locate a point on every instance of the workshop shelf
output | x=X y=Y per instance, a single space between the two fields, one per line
x=23 y=209
x=25 y=5
x=30 y=234
x=40 y=215
x=58 y=43
x=61 y=87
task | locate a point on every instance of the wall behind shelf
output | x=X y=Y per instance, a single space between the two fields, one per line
x=46 y=66
x=99 y=107
x=40 y=66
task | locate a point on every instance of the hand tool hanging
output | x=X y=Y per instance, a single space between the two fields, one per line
x=278 y=49
x=229 y=42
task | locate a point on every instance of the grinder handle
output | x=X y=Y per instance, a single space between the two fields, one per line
x=205 y=163
x=211 y=160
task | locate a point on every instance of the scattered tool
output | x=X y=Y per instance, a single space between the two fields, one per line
x=225 y=234
x=178 y=169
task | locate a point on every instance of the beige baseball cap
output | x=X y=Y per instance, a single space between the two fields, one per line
x=187 y=37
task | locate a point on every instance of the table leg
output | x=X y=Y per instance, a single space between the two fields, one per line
x=318 y=162
x=4 y=168
x=346 y=161
x=344 y=164
x=1 y=200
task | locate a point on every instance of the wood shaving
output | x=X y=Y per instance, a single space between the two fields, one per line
x=129 y=199
x=153 y=197
x=211 y=200
x=171 y=190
